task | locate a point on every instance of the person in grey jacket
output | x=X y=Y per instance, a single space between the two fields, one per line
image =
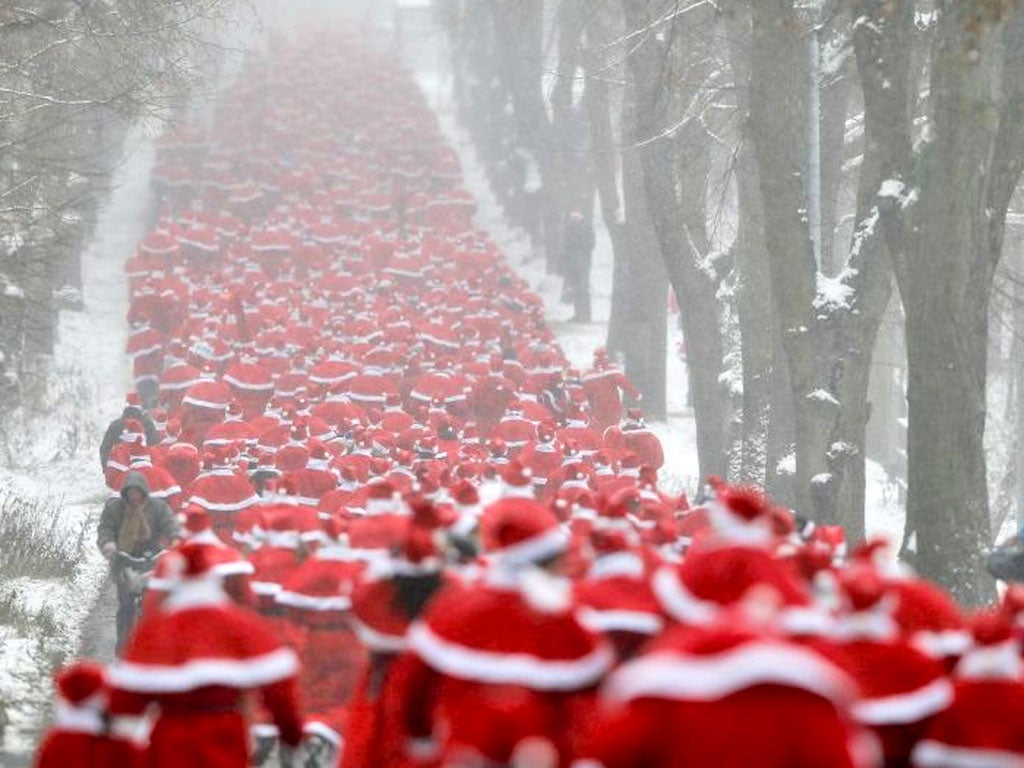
x=136 y=525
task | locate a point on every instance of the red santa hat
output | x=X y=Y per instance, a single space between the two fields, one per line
x=741 y=513
x=383 y=498
x=517 y=481
x=996 y=651
x=197 y=520
x=867 y=604
x=520 y=532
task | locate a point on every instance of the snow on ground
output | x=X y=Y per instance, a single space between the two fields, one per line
x=67 y=479
x=884 y=512
x=578 y=340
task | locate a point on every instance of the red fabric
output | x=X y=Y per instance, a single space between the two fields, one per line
x=65 y=749
x=985 y=715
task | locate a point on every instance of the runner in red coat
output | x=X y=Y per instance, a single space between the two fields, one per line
x=728 y=697
x=83 y=735
x=509 y=650
x=197 y=659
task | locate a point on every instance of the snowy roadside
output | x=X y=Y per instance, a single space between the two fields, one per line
x=57 y=486
x=884 y=513
x=578 y=340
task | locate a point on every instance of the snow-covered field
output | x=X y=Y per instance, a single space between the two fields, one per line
x=57 y=470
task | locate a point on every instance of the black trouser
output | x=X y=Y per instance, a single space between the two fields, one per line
x=579 y=285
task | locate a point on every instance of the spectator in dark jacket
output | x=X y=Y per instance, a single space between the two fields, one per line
x=133 y=410
x=138 y=525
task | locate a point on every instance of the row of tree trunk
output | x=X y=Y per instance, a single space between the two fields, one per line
x=790 y=170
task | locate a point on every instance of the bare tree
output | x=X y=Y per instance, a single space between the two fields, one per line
x=73 y=77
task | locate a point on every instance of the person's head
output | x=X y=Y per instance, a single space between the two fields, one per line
x=575 y=216
x=135 y=489
x=135 y=496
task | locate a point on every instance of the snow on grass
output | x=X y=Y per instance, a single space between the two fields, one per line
x=51 y=572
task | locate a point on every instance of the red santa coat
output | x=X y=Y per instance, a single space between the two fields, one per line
x=488 y=655
x=645 y=445
x=604 y=389
x=373 y=735
x=984 y=726
x=515 y=431
x=542 y=459
x=901 y=689
x=225 y=494
x=318 y=597
x=79 y=738
x=616 y=600
x=226 y=563
x=725 y=698
x=196 y=659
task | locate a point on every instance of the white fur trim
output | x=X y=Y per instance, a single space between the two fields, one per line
x=873 y=624
x=135 y=730
x=324 y=731
x=246 y=385
x=189 y=400
x=199 y=673
x=264 y=730
x=282 y=539
x=233 y=568
x=72 y=719
x=235 y=506
x=935 y=754
x=313 y=602
x=949 y=642
x=733 y=528
x=617 y=564
x=669 y=675
x=678 y=601
x=378 y=641
x=265 y=588
x=996 y=662
x=640 y=622
x=536 y=549
x=907 y=707
x=811 y=621
x=509 y=668
x=393 y=505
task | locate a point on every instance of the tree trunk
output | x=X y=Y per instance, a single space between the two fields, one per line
x=638 y=322
x=694 y=283
x=757 y=320
x=828 y=327
x=953 y=243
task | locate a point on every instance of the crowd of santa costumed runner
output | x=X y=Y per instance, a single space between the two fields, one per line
x=403 y=532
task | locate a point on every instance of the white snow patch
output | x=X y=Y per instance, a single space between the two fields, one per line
x=822 y=396
x=88 y=351
x=786 y=465
x=835 y=293
x=884 y=512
